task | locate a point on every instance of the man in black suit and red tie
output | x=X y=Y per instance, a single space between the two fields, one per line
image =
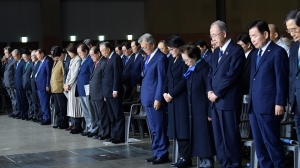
x=113 y=92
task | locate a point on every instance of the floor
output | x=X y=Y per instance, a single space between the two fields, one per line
x=28 y=144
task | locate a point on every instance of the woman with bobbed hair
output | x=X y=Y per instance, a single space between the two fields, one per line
x=175 y=94
x=74 y=109
x=200 y=126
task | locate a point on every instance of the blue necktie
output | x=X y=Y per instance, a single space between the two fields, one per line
x=146 y=63
x=126 y=60
x=258 y=57
x=220 y=55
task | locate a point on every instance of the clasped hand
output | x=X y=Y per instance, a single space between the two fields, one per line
x=211 y=96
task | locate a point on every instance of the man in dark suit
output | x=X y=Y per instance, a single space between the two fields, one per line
x=136 y=70
x=127 y=68
x=292 y=22
x=26 y=80
x=66 y=63
x=113 y=92
x=20 y=92
x=8 y=80
x=224 y=93
x=42 y=79
x=154 y=72
x=37 y=114
x=267 y=95
x=98 y=108
x=245 y=42
x=205 y=53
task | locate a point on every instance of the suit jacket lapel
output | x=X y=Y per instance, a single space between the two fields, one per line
x=224 y=56
x=153 y=59
x=176 y=64
x=264 y=56
x=248 y=60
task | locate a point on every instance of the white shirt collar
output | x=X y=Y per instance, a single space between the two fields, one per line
x=111 y=54
x=247 y=53
x=264 y=48
x=152 y=54
x=224 y=47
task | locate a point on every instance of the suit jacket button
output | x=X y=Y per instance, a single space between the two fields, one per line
x=254 y=79
x=297 y=77
x=214 y=76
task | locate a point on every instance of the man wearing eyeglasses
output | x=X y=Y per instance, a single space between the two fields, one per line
x=225 y=94
x=292 y=22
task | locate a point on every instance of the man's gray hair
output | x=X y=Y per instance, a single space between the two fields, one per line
x=221 y=25
x=33 y=52
x=148 y=38
x=16 y=51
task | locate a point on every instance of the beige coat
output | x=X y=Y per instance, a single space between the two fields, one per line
x=57 y=78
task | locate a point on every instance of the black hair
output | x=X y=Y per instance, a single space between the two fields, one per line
x=126 y=44
x=83 y=47
x=119 y=46
x=293 y=14
x=201 y=43
x=245 y=38
x=175 y=41
x=25 y=51
x=57 y=51
x=261 y=25
x=136 y=42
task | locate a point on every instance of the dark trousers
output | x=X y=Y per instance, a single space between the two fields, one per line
x=157 y=120
x=12 y=95
x=22 y=102
x=78 y=123
x=37 y=112
x=296 y=111
x=60 y=103
x=184 y=148
x=227 y=137
x=266 y=135
x=45 y=104
x=100 y=117
x=116 y=115
x=30 y=103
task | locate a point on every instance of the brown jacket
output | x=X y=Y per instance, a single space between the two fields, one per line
x=57 y=78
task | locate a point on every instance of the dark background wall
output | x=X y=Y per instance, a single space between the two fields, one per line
x=51 y=22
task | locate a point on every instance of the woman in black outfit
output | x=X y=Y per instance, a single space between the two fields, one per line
x=175 y=94
x=201 y=129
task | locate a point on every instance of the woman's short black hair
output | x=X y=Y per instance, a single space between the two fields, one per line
x=175 y=41
x=245 y=38
x=191 y=50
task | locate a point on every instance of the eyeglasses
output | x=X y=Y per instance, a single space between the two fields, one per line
x=214 y=36
x=186 y=60
x=292 y=30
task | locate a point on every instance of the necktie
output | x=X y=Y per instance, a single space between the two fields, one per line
x=220 y=55
x=146 y=63
x=299 y=57
x=107 y=60
x=26 y=65
x=96 y=64
x=258 y=57
x=126 y=60
x=17 y=64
